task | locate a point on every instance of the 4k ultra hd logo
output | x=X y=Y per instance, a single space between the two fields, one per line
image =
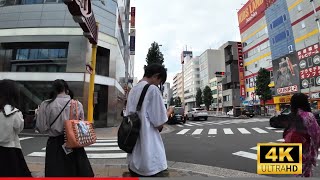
x=279 y=158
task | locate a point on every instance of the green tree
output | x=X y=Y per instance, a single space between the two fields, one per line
x=171 y=101
x=262 y=88
x=199 y=100
x=154 y=55
x=177 y=101
x=207 y=97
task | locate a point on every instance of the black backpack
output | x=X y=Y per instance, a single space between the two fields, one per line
x=129 y=129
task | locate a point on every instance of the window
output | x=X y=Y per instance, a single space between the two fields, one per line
x=247 y=81
x=246 y=68
x=278 y=21
x=303 y=24
x=256 y=64
x=281 y=36
x=32 y=2
x=284 y=17
x=299 y=7
x=247 y=94
x=287 y=33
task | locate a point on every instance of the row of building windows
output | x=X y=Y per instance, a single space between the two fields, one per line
x=33 y=54
x=281 y=36
x=257 y=36
x=22 y=2
x=278 y=21
x=256 y=50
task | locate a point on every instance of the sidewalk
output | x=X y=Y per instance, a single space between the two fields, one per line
x=118 y=167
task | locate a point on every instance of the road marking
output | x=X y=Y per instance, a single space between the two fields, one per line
x=280 y=140
x=90 y=155
x=197 y=131
x=212 y=131
x=97 y=148
x=246 y=155
x=195 y=124
x=188 y=125
x=244 y=131
x=259 y=130
x=25 y=138
x=254 y=148
x=179 y=125
x=227 y=131
x=105 y=144
x=270 y=128
x=183 y=131
x=106 y=140
x=279 y=131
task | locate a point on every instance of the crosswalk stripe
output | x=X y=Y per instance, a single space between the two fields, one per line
x=25 y=138
x=212 y=131
x=183 y=131
x=259 y=130
x=270 y=128
x=102 y=148
x=195 y=124
x=280 y=140
x=227 y=131
x=254 y=148
x=106 y=140
x=90 y=155
x=105 y=144
x=279 y=131
x=179 y=125
x=244 y=131
x=246 y=155
x=197 y=131
x=188 y=125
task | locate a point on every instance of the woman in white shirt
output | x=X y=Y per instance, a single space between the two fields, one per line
x=12 y=162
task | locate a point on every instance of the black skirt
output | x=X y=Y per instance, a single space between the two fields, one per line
x=12 y=163
x=58 y=164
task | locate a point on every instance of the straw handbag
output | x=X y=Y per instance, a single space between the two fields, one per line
x=78 y=133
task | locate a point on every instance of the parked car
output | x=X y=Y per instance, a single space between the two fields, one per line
x=197 y=114
x=282 y=120
x=177 y=116
x=249 y=113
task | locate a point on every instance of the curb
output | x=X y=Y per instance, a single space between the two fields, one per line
x=178 y=166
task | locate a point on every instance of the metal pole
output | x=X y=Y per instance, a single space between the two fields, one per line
x=218 y=107
x=91 y=84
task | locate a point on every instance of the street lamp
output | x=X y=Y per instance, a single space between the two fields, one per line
x=254 y=92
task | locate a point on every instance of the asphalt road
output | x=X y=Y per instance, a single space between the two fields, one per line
x=221 y=142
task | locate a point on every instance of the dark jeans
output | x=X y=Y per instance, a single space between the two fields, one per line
x=164 y=173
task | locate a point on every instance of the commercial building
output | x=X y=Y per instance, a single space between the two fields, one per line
x=191 y=81
x=178 y=86
x=216 y=89
x=231 y=80
x=210 y=62
x=40 y=42
x=166 y=94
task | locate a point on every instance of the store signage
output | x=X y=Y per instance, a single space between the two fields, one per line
x=82 y=13
x=309 y=64
x=315 y=95
x=132 y=42
x=241 y=70
x=133 y=17
x=249 y=11
x=282 y=99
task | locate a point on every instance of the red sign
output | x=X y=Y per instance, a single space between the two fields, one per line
x=289 y=89
x=250 y=11
x=82 y=12
x=133 y=17
x=309 y=51
x=241 y=70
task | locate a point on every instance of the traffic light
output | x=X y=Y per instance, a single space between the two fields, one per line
x=219 y=73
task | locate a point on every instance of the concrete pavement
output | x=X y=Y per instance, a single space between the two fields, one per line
x=118 y=167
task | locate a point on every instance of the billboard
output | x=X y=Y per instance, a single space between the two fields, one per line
x=241 y=70
x=133 y=17
x=309 y=64
x=132 y=41
x=250 y=11
x=185 y=54
x=286 y=74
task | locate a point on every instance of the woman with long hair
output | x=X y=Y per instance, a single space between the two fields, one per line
x=61 y=161
x=12 y=162
x=303 y=128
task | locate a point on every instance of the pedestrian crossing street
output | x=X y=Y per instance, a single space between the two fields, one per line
x=232 y=121
x=228 y=131
x=102 y=149
x=252 y=153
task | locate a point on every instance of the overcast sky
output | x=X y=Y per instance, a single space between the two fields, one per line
x=198 y=24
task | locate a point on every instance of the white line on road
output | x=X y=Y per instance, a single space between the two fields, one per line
x=279 y=131
x=188 y=125
x=227 y=131
x=212 y=131
x=102 y=148
x=254 y=148
x=90 y=155
x=197 y=131
x=246 y=155
x=259 y=130
x=271 y=128
x=179 y=125
x=106 y=140
x=195 y=124
x=183 y=131
x=280 y=140
x=25 y=138
x=244 y=131
x=105 y=144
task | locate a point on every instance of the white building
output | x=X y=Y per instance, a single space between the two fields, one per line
x=210 y=62
x=166 y=94
x=178 y=86
x=191 y=81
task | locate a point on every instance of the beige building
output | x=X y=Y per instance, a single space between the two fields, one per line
x=216 y=89
x=178 y=86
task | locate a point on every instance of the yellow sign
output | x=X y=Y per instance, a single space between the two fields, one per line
x=279 y=158
x=282 y=99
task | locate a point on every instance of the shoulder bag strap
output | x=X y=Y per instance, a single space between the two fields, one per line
x=143 y=94
x=60 y=113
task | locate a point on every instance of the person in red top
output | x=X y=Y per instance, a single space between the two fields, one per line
x=303 y=128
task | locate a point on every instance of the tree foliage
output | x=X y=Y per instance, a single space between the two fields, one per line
x=199 y=100
x=154 y=55
x=262 y=86
x=207 y=97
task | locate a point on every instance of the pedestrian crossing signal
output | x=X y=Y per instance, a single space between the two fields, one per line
x=279 y=158
x=219 y=73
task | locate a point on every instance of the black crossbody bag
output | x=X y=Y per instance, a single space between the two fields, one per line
x=129 y=129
